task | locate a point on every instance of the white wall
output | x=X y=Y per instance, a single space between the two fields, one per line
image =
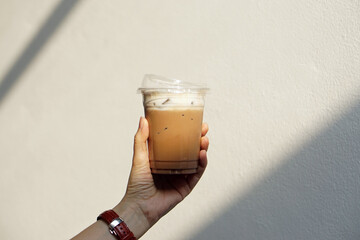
x=284 y=110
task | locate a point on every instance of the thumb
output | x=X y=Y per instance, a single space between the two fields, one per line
x=140 y=147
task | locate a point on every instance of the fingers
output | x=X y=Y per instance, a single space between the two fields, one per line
x=203 y=161
x=204 y=143
x=194 y=178
x=204 y=129
x=140 y=148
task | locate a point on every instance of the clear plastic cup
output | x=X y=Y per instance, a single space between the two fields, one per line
x=174 y=110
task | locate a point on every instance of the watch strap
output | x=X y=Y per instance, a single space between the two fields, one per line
x=117 y=226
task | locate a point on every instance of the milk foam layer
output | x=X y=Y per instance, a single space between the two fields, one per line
x=173 y=100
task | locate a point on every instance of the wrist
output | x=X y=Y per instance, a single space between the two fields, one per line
x=133 y=216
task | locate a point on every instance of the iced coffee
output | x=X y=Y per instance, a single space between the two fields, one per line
x=174 y=111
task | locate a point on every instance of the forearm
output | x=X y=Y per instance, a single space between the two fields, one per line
x=96 y=231
x=129 y=212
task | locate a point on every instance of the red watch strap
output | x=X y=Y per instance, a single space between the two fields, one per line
x=120 y=231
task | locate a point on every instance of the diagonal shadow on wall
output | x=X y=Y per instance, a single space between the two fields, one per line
x=52 y=23
x=315 y=194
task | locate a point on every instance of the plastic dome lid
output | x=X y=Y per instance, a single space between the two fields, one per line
x=156 y=83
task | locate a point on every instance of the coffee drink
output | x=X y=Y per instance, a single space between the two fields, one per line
x=175 y=120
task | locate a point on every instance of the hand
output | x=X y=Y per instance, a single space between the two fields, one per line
x=152 y=196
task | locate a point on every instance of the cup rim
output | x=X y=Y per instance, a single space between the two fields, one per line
x=173 y=90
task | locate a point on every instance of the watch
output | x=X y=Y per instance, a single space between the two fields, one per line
x=117 y=226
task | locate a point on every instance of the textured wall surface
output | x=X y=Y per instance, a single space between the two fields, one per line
x=284 y=113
